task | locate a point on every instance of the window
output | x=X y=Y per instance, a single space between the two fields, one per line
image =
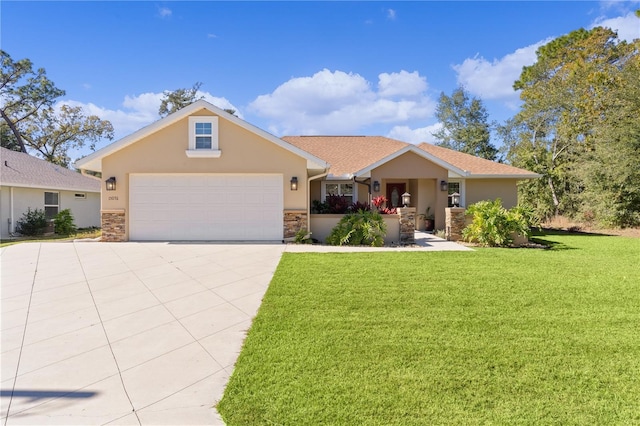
x=453 y=187
x=343 y=189
x=80 y=196
x=203 y=137
x=50 y=205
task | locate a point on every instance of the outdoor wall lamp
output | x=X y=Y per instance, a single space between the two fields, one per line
x=376 y=186
x=455 y=199
x=294 y=183
x=443 y=185
x=111 y=184
x=406 y=199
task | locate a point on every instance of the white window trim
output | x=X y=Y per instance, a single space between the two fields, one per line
x=214 y=152
x=354 y=196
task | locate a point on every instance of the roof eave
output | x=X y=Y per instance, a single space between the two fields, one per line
x=504 y=176
x=53 y=187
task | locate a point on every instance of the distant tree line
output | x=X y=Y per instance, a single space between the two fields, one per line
x=578 y=127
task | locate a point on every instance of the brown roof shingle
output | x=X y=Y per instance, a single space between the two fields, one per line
x=349 y=154
x=20 y=169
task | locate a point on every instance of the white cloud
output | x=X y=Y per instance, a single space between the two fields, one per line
x=419 y=135
x=401 y=84
x=628 y=26
x=164 y=12
x=139 y=111
x=494 y=80
x=391 y=14
x=211 y=35
x=340 y=103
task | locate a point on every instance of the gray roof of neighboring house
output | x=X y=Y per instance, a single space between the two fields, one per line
x=23 y=170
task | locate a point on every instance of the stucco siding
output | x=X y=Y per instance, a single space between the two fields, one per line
x=490 y=189
x=5 y=211
x=243 y=152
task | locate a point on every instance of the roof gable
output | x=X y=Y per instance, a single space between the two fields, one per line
x=23 y=170
x=94 y=160
x=358 y=155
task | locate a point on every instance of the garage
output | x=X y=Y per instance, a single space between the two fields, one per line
x=206 y=207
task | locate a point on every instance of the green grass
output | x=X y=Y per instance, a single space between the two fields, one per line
x=494 y=336
x=82 y=233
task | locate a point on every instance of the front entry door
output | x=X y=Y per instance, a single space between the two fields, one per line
x=394 y=194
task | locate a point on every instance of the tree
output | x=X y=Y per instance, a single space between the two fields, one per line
x=571 y=108
x=464 y=125
x=172 y=101
x=53 y=132
x=177 y=99
x=31 y=120
x=23 y=92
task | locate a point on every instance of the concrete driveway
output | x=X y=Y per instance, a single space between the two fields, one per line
x=132 y=333
x=125 y=333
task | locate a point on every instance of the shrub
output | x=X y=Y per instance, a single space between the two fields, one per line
x=302 y=237
x=64 y=223
x=359 y=206
x=33 y=222
x=319 y=207
x=363 y=227
x=338 y=204
x=380 y=202
x=494 y=226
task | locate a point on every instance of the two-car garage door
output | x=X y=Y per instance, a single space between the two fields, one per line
x=205 y=207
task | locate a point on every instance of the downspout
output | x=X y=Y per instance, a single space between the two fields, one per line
x=309 y=196
x=368 y=185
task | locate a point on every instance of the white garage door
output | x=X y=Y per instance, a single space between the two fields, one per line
x=205 y=207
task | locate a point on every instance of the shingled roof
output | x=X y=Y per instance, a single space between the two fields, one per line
x=23 y=170
x=350 y=154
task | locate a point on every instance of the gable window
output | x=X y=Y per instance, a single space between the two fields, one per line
x=203 y=137
x=342 y=189
x=80 y=196
x=51 y=205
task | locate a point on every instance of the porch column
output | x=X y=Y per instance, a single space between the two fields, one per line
x=407 y=224
x=455 y=222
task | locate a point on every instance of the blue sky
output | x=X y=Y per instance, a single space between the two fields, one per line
x=372 y=68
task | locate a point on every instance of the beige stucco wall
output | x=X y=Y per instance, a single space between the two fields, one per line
x=86 y=212
x=322 y=224
x=422 y=178
x=490 y=189
x=242 y=152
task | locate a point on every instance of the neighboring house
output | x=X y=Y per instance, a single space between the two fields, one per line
x=203 y=174
x=29 y=182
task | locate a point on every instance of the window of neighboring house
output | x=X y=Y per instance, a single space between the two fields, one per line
x=51 y=205
x=453 y=187
x=203 y=137
x=343 y=189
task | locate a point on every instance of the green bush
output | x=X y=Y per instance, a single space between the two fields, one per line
x=64 y=223
x=33 y=222
x=363 y=227
x=495 y=226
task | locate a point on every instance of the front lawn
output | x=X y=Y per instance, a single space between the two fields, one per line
x=494 y=336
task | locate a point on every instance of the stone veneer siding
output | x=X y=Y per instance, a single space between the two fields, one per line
x=294 y=220
x=113 y=226
x=455 y=222
x=407 y=225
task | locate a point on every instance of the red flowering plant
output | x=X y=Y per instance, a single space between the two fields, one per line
x=380 y=203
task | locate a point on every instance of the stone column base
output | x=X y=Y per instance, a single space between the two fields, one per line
x=407 y=225
x=113 y=225
x=294 y=220
x=455 y=222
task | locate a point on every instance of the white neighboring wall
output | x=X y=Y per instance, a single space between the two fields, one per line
x=85 y=211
